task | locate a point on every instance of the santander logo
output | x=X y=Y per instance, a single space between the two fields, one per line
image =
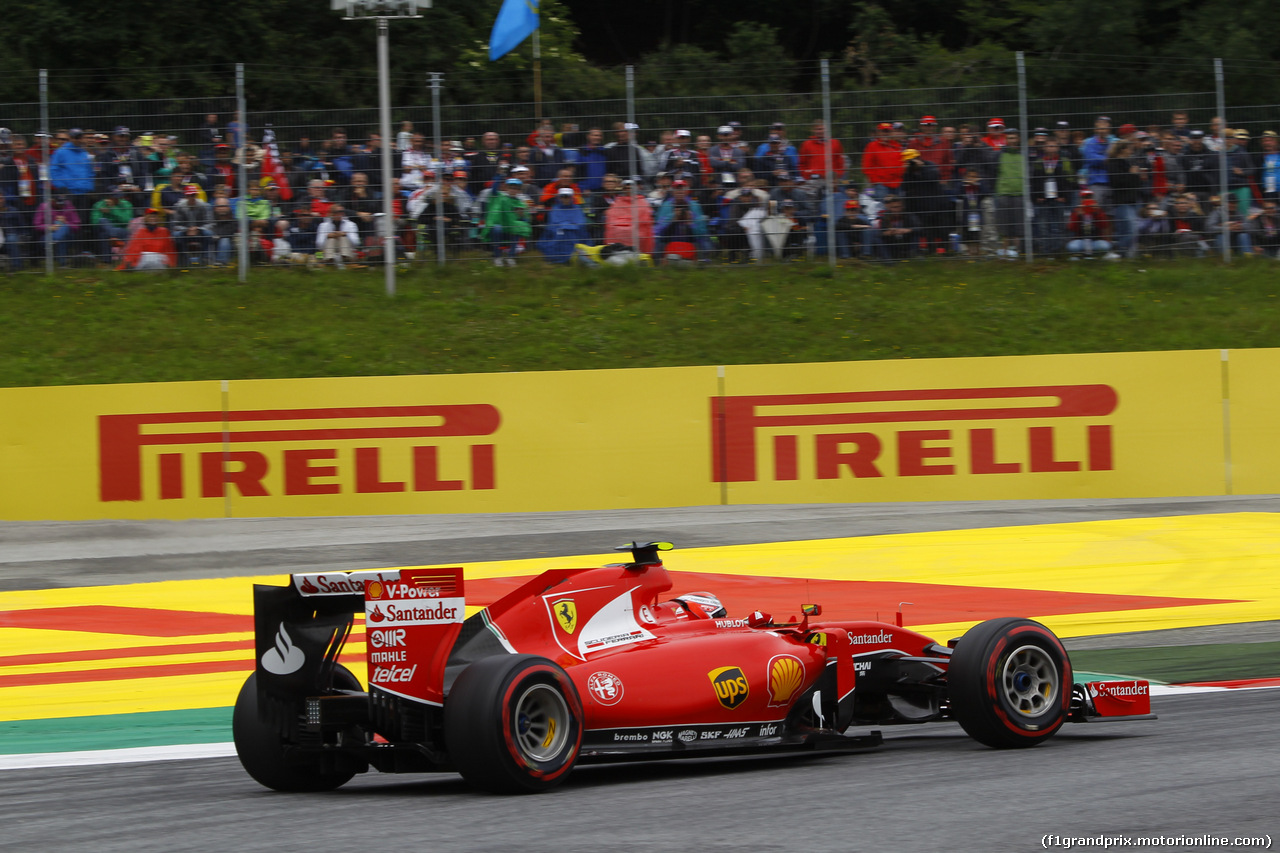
x=284 y=658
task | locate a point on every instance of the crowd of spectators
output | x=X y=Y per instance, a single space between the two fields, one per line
x=151 y=200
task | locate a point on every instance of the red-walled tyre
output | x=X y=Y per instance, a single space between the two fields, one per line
x=513 y=724
x=1009 y=682
x=261 y=748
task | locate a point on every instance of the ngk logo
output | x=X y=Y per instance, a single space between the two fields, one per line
x=739 y=423
x=332 y=451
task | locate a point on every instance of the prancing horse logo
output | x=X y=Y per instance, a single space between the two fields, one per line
x=566 y=614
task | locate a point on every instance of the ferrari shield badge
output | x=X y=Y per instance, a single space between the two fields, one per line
x=566 y=612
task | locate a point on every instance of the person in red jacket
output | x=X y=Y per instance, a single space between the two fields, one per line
x=995 y=137
x=882 y=164
x=935 y=149
x=813 y=153
x=1090 y=229
x=150 y=247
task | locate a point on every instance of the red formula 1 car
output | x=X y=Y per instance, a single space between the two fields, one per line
x=591 y=665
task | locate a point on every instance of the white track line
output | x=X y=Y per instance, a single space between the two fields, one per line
x=133 y=755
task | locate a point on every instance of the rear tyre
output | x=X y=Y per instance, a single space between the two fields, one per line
x=1009 y=682
x=513 y=724
x=261 y=747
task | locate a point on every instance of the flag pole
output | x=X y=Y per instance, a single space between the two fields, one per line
x=537 y=71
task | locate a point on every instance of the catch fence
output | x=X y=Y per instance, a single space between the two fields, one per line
x=206 y=165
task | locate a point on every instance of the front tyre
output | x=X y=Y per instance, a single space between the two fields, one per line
x=513 y=724
x=261 y=747
x=1009 y=682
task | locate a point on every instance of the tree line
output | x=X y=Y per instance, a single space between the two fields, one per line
x=304 y=56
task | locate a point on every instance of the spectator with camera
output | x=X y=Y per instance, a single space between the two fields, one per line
x=681 y=219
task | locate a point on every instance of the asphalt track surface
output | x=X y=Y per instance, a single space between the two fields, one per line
x=1207 y=767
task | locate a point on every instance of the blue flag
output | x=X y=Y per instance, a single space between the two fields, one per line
x=516 y=22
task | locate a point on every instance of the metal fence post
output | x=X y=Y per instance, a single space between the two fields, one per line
x=829 y=165
x=631 y=155
x=384 y=127
x=435 y=121
x=47 y=183
x=1028 y=212
x=242 y=209
x=1224 y=199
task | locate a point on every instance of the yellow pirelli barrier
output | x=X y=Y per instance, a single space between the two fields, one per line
x=1253 y=415
x=1079 y=426
x=1055 y=426
x=510 y=442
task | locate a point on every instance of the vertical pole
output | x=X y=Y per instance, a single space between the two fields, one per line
x=384 y=124
x=1028 y=244
x=438 y=133
x=631 y=154
x=829 y=202
x=46 y=184
x=1224 y=200
x=537 y=71
x=242 y=211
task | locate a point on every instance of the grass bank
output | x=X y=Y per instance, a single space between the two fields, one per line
x=101 y=327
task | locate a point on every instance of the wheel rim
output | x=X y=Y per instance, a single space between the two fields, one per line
x=541 y=722
x=1029 y=682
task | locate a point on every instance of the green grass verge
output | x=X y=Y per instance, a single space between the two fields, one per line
x=90 y=327
x=116 y=731
x=1222 y=662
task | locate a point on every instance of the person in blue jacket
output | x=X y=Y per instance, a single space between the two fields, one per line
x=680 y=219
x=71 y=172
x=593 y=161
x=1094 y=153
x=566 y=225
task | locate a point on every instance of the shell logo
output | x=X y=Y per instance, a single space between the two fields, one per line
x=786 y=674
x=373 y=589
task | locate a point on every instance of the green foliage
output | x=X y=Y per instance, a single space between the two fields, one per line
x=100 y=327
x=300 y=55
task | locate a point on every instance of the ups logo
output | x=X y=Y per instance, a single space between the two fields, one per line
x=730 y=685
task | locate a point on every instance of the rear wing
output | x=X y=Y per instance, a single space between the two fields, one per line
x=412 y=618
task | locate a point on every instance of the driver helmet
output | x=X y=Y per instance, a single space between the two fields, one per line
x=702 y=605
